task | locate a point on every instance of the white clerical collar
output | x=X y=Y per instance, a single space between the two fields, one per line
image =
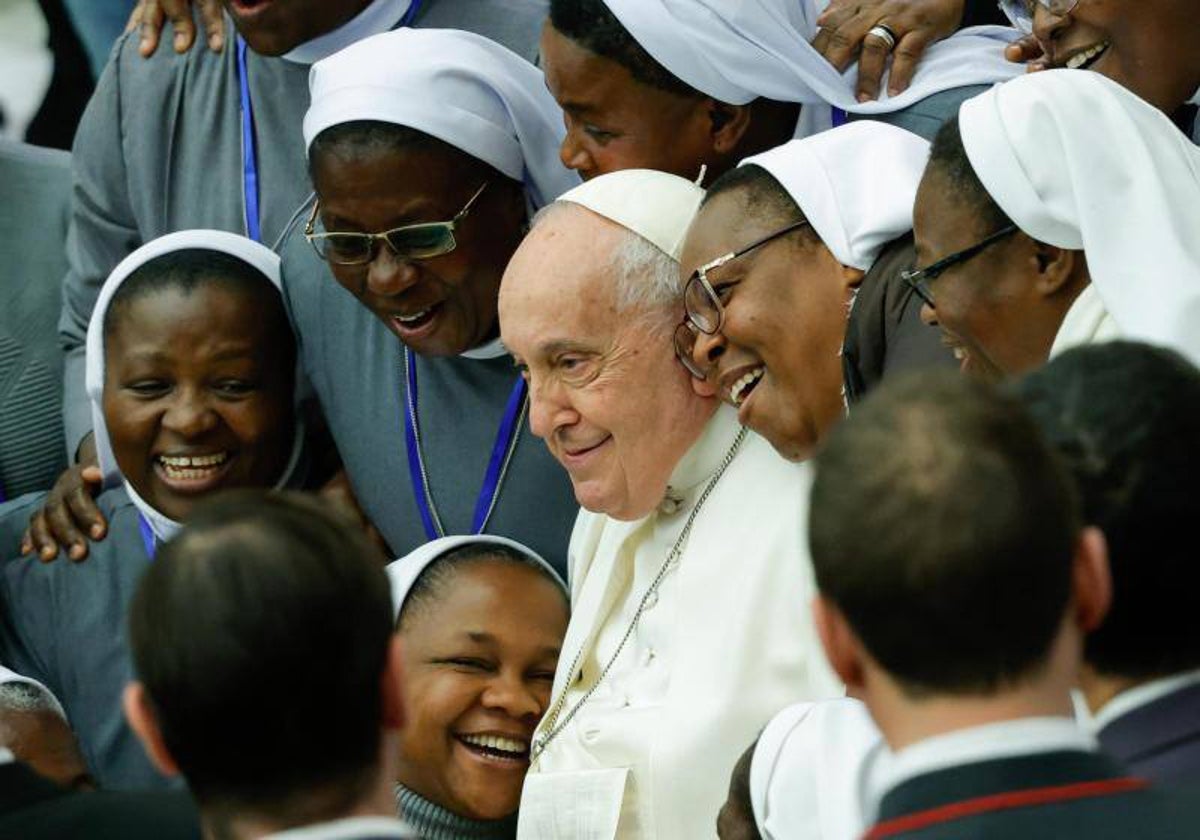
x=1142 y=695
x=493 y=349
x=1087 y=322
x=705 y=455
x=380 y=16
x=347 y=829
x=6 y=757
x=1008 y=739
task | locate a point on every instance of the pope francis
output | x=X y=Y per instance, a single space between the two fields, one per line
x=690 y=578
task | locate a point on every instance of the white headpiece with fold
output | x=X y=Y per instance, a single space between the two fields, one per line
x=456 y=86
x=738 y=50
x=655 y=205
x=855 y=184
x=7 y=677
x=1079 y=162
x=253 y=254
x=403 y=573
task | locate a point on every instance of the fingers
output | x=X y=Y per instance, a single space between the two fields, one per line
x=1023 y=50
x=39 y=539
x=149 y=18
x=180 y=13
x=871 y=64
x=842 y=45
x=214 y=23
x=68 y=512
x=905 y=60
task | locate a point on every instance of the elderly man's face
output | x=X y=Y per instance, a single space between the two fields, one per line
x=608 y=396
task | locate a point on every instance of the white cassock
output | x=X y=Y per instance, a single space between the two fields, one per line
x=728 y=641
x=1130 y=202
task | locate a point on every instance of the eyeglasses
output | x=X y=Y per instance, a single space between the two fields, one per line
x=411 y=242
x=919 y=279
x=1020 y=12
x=705 y=311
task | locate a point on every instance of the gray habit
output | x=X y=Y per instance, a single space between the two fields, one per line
x=159 y=150
x=355 y=365
x=64 y=625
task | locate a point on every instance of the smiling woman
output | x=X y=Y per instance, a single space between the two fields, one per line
x=481 y=621
x=190 y=372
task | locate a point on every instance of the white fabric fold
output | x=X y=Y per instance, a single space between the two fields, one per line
x=1079 y=162
x=855 y=184
x=403 y=572
x=253 y=254
x=456 y=86
x=738 y=50
x=379 y=16
x=657 y=206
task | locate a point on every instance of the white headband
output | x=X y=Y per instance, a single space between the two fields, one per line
x=855 y=184
x=738 y=50
x=403 y=573
x=656 y=206
x=1079 y=162
x=456 y=86
x=253 y=254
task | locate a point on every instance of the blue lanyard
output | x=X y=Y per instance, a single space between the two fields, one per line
x=413 y=10
x=506 y=438
x=249 y=150
x=147 y=536
x=840 y=117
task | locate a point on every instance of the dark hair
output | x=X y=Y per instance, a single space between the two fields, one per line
x=192 y=268
x=261 y=634
x=591 y=25
x=948 y=155
x=944 y=528
x=432 y=583
x=1124 y=417
x=759 y=189
x=368 y=138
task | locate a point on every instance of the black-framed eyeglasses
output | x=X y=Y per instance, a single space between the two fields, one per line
x=1020 y=12
x=410 y=242
x=920 y=278
x=705 y=313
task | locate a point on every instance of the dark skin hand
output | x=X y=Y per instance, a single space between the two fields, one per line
x=69 y=510
x=150 y=15
x=843 y=39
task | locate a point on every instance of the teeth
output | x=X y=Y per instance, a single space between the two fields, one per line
x=738 y=388
x=408 y=319
x=1079 y=59
x=497 y=743
x=182 y=462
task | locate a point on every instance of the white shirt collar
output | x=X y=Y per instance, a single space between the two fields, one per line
x=1009 y=739
x=705 y=455
x=378 y=17
x=1142 y=695
x=493 y=349
x=346 y=829
x=6 y=756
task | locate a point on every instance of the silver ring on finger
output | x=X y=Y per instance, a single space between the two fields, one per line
x=884 y=33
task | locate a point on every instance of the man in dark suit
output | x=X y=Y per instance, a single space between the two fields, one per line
x=1125 y=417
x=269 y=671
x=34 y=808
x=956 y=588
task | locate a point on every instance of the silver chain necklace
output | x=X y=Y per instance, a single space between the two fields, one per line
x=554 y=726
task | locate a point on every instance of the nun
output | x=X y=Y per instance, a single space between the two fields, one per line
x=481 y=621
x=429 y=151
x=680 y=84
x=1034 y=238
x=191 y=368
x=208 y=140
x=794 y=300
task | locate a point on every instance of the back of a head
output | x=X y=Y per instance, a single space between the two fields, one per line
x=1125 y=418
x=944 y=529
x=261 y=635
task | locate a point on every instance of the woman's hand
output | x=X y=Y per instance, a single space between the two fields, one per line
x=70 y=512
x=1026 y=51
x=150 y=15
x=845 y=25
